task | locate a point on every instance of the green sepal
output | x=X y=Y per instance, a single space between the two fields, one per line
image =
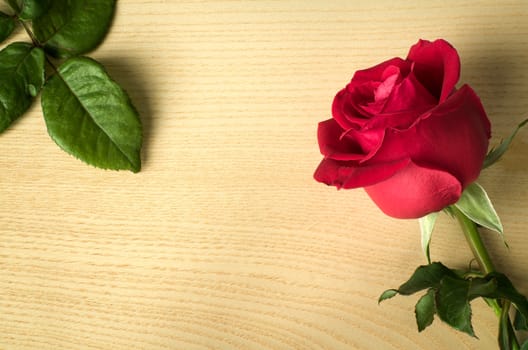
x=7 y=25
x=476 y=205
x=73 y=27
x=91 y=117
x=22 y=72
x=32 y=9
x=427 y=224
x=425 y=310
x=496 y=153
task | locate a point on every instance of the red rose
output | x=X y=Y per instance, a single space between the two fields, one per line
x=404 y=132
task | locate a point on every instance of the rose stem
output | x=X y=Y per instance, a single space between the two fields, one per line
x=481 y=255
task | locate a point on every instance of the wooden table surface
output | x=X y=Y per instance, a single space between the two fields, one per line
x=224 y=240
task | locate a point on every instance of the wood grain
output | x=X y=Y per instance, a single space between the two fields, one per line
x=224 y=241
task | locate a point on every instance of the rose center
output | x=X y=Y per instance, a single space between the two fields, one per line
x=383 y=91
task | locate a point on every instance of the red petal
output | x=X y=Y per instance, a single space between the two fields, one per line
x=415 y=191
x=347 y=145
x=377 y=72
x=411 y=95
x=346 y=112
x=332 y=145
x=453 y=137
x=436 y=65
x=350 y=175
x=348 y=107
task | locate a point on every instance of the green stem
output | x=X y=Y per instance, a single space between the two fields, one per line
x=505 y=318
x=481 y=255
x=475 y=242
x=30 y=33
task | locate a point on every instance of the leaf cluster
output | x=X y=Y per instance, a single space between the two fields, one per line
x=87 y=114
x=450 y=292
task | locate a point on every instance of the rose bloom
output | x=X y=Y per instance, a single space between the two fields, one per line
x=404 y=132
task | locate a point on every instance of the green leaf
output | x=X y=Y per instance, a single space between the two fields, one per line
x=32 y=9
x=27 y=61
x=7 y=25
x=14 y=100
x=91 y=117
x=425 y=276
x=427 y=224
x=14 y=5
x=452 y=304
x=482 y=287
x=506 y=290
x=525 y=345
x=476 y=205
x=449 y=296
x=22 y=76
x=497 y=286
x=73 y=27
x=495 y=154
x=389 y=293
x=425 y=310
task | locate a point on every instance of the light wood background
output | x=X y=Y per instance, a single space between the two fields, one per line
x=224 y=240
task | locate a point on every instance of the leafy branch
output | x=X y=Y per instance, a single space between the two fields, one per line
x=449 y=293
x=87 y=114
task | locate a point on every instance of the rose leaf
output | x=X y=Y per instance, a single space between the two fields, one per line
x=73 y=27
x=7 y=25
x=497 y=286
x=14 y=5
x=389 y=293
x=32 y=9
x=425 y=310
x=22 y=72
x=424 y=277
x=506 y=290
x=452 y=304
x=91 y=117
x=26 y=61
x=14 y=100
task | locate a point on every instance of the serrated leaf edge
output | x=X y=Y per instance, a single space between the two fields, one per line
x=134 y=167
